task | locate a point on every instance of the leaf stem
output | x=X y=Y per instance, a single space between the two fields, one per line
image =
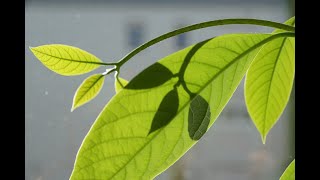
x=117 y=79
x=107 y=64
x=200 y=26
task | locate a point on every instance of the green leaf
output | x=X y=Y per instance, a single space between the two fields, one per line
x=119 y=146
x=289 y=173
x=66 y=60
x=269 y=82
x=117 y=85
x=88 y=90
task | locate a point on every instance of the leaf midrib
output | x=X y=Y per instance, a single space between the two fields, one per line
x=67 y=59
x=201 y=89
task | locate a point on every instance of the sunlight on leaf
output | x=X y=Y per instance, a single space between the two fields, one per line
x=269 y=82
x=88 y=90
x=289 y=173
x=66 y=60
x=118 y=145
x=117 y=85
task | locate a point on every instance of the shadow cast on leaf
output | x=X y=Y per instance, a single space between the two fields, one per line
x=153 y=76
x=198 y=117
x=199 y=110
x=167 y=110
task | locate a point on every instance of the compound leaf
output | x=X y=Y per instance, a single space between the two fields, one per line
x=119 y=146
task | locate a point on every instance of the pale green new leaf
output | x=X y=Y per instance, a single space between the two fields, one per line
x=66 y=60
x=88 y=90
x=117 y=85
x=119 y=146
x=269 y=82
x=289 y=173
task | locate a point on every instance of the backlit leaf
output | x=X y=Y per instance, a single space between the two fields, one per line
x=269 y=82
x=88 y=90
x=66 y=60
x=289 y=173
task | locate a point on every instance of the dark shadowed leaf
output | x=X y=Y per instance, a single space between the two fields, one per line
x=199 y=117
x=153 y=76
x=167 y=110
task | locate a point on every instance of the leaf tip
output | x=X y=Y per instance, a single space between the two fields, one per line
x=263 y=138
x=31 y=48
x=74 y=106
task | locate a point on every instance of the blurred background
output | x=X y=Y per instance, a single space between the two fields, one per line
x=230 y=150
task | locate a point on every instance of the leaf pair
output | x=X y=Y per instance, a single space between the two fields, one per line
x=70 y=61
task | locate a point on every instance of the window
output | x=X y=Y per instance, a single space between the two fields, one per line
x=135 y=34
x=181 y=40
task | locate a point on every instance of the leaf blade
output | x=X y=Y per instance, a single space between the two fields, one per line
x=269 y=82
x=88 y=90
x=118 y=145
x=66 y=60
x=289 y=173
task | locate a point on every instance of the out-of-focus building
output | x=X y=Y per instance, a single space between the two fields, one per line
x=230 y=150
